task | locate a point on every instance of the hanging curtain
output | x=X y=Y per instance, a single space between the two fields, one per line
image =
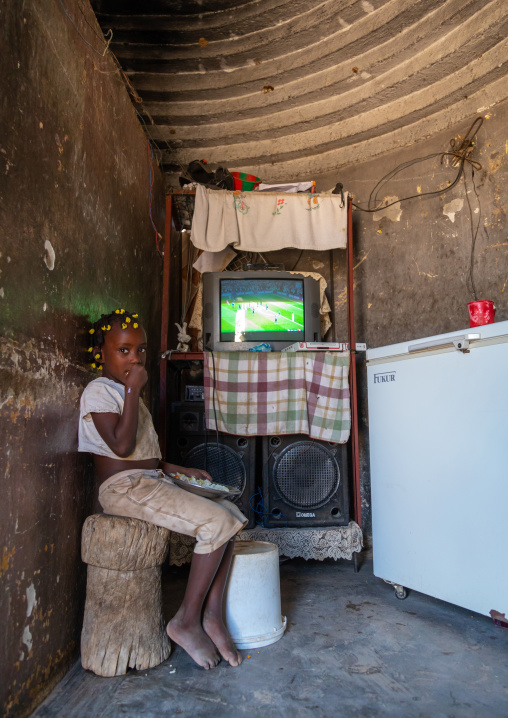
x=266 y=221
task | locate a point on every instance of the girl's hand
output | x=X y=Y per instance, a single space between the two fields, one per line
x=136 y=378
x=198 y=474
x=173 y=469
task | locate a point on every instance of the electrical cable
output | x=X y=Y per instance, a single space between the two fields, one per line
x=479 y=219
x=474 y=233
x=414 y=196
x=296 y=263
x=150 y=199
x=100 y=36
x=387 y=177
x=188 y=280
x=192 y=255
x=77 y=30
x=459 y=153
x=215 y=417
x=213 y=403
x=262 y=511
x=220 y=454
x=157 y=152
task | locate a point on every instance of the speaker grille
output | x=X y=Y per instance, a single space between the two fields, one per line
x=223 y=464
x=306 y=475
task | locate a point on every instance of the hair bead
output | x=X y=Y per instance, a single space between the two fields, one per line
x=104 y=324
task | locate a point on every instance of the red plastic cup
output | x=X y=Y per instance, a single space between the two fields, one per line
x=481 y=312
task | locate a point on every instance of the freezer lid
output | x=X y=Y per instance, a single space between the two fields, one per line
x=487 y=333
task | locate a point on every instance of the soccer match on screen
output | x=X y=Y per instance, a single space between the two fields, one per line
x=264 y=305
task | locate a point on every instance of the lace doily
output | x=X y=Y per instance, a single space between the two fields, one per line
x=308 y=543
x=181 y=549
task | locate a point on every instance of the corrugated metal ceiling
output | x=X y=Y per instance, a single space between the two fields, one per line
x=287 y=89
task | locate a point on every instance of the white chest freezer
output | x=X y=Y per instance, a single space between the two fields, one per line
x=438 y=427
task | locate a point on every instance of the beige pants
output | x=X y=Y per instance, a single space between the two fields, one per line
x=152 y=496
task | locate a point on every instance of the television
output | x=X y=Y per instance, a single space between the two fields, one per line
x=244 y=309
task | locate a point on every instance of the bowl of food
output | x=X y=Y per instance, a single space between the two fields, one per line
x=204 y=487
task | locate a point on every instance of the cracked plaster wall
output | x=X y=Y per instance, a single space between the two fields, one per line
x=76 y=241
x=411 y=260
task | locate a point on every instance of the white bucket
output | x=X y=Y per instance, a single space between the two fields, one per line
x=252 y=605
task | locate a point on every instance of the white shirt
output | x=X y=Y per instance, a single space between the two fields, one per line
x=103 y=396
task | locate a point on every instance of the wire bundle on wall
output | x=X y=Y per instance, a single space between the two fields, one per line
x=460 y=154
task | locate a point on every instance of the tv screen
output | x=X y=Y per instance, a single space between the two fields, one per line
x=242 y=309
x=252 y=308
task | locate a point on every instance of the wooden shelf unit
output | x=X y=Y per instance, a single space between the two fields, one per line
x=169 y=271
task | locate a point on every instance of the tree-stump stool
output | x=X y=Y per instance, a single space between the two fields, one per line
x=123 y=625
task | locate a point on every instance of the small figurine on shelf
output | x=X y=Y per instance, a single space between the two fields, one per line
x=183 y=338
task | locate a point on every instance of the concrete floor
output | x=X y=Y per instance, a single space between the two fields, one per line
x=351 y=649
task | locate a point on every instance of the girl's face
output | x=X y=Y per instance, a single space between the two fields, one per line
x=122 y=349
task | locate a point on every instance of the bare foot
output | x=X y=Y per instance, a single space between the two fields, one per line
x=217 y=631
x=195 y=642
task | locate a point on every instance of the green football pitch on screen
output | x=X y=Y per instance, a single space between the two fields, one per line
x=269 y=315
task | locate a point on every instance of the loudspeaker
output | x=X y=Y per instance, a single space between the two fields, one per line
x=304 y=482
x=231 y=460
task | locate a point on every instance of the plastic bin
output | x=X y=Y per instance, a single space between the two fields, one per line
x=252 y=605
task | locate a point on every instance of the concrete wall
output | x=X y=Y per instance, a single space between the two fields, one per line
x=76 y=240
x=412 y=261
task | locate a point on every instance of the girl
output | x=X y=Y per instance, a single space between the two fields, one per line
x=116 y=427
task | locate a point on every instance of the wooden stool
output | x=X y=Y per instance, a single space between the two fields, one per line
x=123 y=625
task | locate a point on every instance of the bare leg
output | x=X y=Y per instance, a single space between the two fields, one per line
x=185 y=627
x=213 y=622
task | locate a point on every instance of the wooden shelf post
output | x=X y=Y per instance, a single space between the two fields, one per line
x=352 y=369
